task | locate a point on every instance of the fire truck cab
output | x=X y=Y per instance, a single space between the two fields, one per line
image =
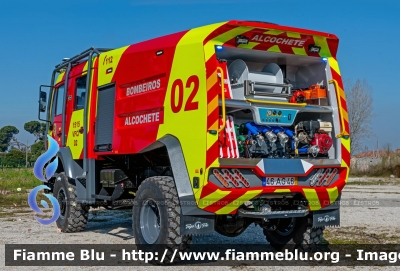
x=210 y=129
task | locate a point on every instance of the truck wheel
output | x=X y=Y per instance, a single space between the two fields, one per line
x=73 y=215
x=293 y=231
x=156 y=218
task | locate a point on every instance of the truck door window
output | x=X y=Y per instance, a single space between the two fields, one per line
x=80 y=93
x=59 y=100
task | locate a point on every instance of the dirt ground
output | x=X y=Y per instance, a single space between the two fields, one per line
x=371 y=216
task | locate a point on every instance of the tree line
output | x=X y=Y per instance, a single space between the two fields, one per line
x=14 y=153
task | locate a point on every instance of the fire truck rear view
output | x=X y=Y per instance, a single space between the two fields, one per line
x=202 y=131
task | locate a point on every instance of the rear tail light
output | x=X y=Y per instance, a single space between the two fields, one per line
x=242 y=179
x=234 y=177
x=323 y=176
x=231 y=178
x=220 y=178
x=315 y=178
x=329 y=178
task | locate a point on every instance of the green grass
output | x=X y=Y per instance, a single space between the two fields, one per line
x=11 y=180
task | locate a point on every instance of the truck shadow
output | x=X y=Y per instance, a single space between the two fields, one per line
x=117 y=223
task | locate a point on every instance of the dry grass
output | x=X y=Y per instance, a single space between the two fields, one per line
x=381 y=170
x=360 y=235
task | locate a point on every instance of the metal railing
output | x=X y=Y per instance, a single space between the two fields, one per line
x=249 y=89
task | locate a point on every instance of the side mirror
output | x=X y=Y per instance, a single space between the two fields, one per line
x=42 y=101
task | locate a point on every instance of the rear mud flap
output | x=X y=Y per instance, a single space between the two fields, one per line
x=326 y=218
x=194 y=225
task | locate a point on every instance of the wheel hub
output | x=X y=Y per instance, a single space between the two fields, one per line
x=285 y=226
x=150 y=221
x=62 y=201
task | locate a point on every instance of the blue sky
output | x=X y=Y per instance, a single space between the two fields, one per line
x=36 y=35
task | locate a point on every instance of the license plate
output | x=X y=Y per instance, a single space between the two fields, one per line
x=279 y=181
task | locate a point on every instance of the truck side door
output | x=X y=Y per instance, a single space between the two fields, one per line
x=56 y=113
x=62 y=101
x=76 y=129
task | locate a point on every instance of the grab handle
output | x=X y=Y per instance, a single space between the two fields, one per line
x=219 y=69
x=343 y=134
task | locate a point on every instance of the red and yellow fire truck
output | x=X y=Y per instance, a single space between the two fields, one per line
x=210 y=129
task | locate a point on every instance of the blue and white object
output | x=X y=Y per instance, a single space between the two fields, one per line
x=276 y=116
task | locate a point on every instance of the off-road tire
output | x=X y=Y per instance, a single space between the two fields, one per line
x=163 y=191
x=303 y=236
x=75 y=216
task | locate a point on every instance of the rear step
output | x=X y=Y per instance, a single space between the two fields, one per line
x=273 y=214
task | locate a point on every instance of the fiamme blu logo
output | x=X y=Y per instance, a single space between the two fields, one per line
x=44 y=169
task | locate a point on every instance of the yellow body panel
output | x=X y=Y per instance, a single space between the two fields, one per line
x=189 y=126
x=312 y=197
x=109 y=60
x=238 y=202
x=75 y=138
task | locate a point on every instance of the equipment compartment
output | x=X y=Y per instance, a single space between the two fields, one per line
x=268 y=115
x=257 y=75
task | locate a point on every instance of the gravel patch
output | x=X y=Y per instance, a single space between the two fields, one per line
x=114 y=227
